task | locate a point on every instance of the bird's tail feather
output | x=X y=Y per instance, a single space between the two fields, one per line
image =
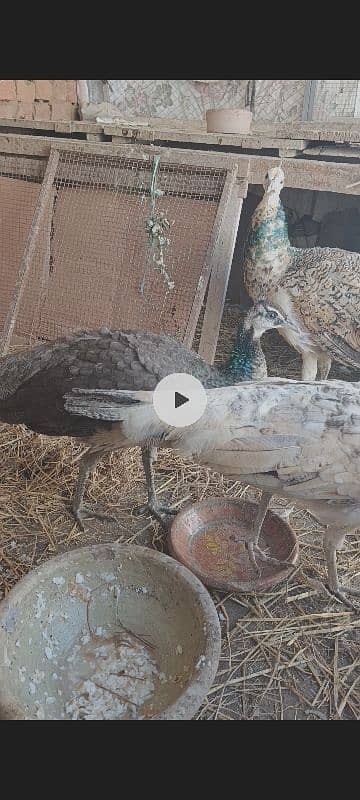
x=106 y=404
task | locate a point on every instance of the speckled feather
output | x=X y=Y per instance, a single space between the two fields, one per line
x=324 y=285
x=300 y=440
x=296 y=439
x=318 y=287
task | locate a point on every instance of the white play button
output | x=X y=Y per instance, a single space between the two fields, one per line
x=179 y=399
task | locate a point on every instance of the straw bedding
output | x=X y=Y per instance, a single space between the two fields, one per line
x=292 y=653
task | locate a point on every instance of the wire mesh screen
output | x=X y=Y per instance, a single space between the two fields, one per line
x=93 y=246
x=335 y=100
x=20 y=183
x=170 y=99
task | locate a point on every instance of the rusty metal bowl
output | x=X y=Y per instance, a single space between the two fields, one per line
x=210 y=539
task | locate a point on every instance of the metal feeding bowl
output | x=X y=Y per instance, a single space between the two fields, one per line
x=107 y=632
x=210 y=538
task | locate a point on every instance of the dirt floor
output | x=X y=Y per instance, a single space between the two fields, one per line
x=292 y=653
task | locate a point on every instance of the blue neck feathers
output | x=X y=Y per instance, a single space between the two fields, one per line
x=243 y=359
x=269 y=234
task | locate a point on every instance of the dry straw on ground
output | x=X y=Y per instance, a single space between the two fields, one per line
x=290 y=653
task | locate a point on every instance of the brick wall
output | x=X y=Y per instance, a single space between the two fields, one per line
x=38 y=100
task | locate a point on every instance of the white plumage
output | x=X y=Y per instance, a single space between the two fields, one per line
x=298 y=440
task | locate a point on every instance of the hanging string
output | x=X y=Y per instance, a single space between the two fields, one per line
x=157 y=226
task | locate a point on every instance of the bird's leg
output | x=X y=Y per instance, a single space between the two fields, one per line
x=149 y=454
x=324 y=366
x=253 y=548
x=333 y=540
x=87 y=464
x=309 y=367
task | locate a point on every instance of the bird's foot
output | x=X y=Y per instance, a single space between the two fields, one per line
x=340 y=595
x=338 y=592
x=79 y=514
x=161 y=513
x=255 y=553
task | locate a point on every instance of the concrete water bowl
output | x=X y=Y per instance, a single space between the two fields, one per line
x=61 y=625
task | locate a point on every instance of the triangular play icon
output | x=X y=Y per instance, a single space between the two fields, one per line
x=180 y=399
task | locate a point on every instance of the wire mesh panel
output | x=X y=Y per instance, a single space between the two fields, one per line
x=92 y=251
x=335 y=100
x=20 y=183
x=170 y=99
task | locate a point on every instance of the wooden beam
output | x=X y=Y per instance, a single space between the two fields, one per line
x=309 y=99
x=300 y=173
x=219 y=279
x=320 y=176
x=262 y=135
x=41 y=145
x=38 y=218
x=333 y=150
x=163 y=135
x=211 y=256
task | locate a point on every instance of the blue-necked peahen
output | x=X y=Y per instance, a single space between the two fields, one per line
x=33 y=385
x=316 y=288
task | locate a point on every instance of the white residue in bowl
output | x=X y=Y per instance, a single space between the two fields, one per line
x=121 y=677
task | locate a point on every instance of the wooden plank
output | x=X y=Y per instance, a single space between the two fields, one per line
x=198 y=125
x=138 y=135
x=329 y=131
x=255 y=142
x=63 y=127
x=323 y=176
x=95 y=137
x=270 y=143
x=127 y=175
x=41 y=145
x=40 y=212
x=220 y=273
x=36 y=125
x=263 y=134
x=309 y=99
x=222 y=211
x=334 y=151
x=83 y=126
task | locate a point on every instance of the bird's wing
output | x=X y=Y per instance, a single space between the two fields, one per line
x=323 y=284
x=17 y=368
x=32 y=384
x=161 y=355
x=300 y=440
x=291 y=438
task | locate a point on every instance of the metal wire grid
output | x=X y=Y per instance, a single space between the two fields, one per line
x=20 y=183
x=171 y=99
x=337 y=99
x=93 y=246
